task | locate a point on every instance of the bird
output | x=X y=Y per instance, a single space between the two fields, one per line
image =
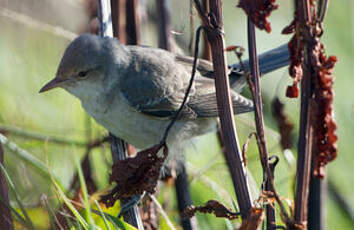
x=134 y=91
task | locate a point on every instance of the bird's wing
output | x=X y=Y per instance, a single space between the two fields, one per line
x=155 y=84
x=160 y=82
x=203 y=102
x=206 y=105
x=205 y=68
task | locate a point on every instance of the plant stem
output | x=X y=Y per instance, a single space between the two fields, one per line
x=257 y=97
x=214 y=27
x=303 y=171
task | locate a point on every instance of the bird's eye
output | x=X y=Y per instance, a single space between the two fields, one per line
x=82 y=74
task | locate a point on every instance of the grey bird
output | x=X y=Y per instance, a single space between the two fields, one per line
x=134 y=91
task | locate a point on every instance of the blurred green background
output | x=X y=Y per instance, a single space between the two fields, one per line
x=29 y=56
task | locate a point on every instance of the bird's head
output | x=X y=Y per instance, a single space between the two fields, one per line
x=84 y=64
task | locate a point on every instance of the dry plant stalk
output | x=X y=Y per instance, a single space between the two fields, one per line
x=254 y=220
x=310 y=65
x=254 y=83
x=213 y=25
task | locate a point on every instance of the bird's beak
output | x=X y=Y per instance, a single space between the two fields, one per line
x=56 y=82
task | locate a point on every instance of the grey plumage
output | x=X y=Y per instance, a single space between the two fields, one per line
x=134 y=91
x=158 y=88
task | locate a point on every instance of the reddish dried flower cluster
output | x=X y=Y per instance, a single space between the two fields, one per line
x=296 y=47
x=324 y=125
x=325 y=148
x=259 y=11
x=136 y=175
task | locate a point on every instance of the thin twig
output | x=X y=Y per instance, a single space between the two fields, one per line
x=270 y=209
x=206 y=49
x=163 y=213
x=202 y=13
x=323 y=6
x=257 y=97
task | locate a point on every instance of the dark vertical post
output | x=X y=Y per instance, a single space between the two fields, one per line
x=164 y=15
x=119 y=19
x=317 y=204
x=304 y=157
x=206 y=49
x=184 y=198
x=132 y=22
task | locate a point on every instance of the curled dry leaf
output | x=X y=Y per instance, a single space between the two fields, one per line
x=136 y=175
x=258 y=11
x=245 y=147
x=212 y=206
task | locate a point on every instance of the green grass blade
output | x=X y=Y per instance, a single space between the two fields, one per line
x=117 y=223
x=67 y=202
x=25 y=155
x=102 y=215
x=84 y=190
x=29 y=223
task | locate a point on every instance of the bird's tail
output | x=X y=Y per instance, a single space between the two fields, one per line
x=269 y=61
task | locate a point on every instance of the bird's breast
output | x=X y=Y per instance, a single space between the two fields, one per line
x=125 y=122
x=140 y=130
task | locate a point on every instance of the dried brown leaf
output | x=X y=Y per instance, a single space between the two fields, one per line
x=212 y=206
x=136 y=175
